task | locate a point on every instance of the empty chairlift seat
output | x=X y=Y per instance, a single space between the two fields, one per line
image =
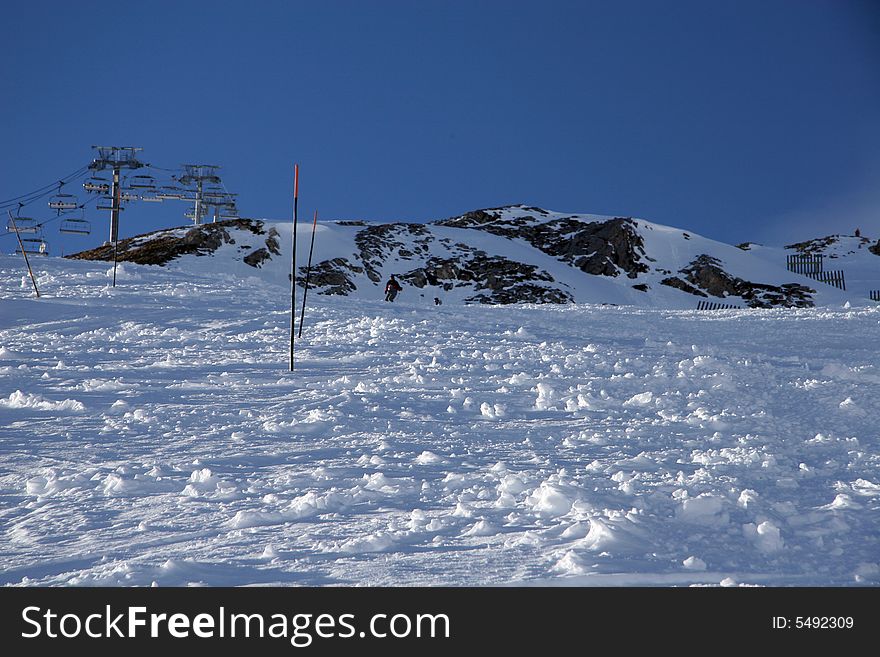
x=142 y=182
x=23 y=224
x=75 y=227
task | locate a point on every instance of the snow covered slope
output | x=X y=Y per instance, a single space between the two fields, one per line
x=151 y=433
x=857 y=257
x=503 y=255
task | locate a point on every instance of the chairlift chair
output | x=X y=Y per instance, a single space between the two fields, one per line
x=24 y=225
x=108 y=199
x=63 y=202
x=33 y=246
x=169 y=193
x=96 y=184
x=75 y=227
x=142 y=182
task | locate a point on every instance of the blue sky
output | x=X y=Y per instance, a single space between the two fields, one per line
x=736 y=120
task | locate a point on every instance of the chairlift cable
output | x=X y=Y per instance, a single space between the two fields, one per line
x=65 y=179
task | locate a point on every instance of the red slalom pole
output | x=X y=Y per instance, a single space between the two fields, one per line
x=308 y=275
x=293 y=263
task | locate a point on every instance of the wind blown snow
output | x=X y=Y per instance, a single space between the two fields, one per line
x=151 y=433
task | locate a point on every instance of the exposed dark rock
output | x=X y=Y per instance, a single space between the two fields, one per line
x=272 y=242
x=705 y=273
x=257 y=257
x=158 y=249
x=523 y=293
x=509 y=281
x=330 y=277
x=351 y=222
x=875 y=249
x=820 y=244
x=679 y=284
x=601 y=247
x=814 y=246
x=641 y=287
x=376 y=243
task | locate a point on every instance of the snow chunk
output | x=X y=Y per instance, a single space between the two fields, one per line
x=203 y=483
x=600 y=537
x=19 y=399
x=546 y=397
x=842 y=501
x=571 y=564
x=378 y=542
x=865 y=487
x=492 y=411
x=765 y=536
x=643 y=399
x=427 y=458
x=703 y=510
x=694 y=563
x=550 y=500
x=481 y=528
x=746 y=497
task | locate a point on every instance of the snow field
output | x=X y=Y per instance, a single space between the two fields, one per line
x=151 y=434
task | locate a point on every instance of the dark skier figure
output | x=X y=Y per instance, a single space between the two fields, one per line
x=392 y=287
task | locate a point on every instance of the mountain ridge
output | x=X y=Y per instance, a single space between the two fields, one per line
x=512 y=254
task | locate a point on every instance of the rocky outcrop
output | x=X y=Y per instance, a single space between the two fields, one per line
x=331 y=277
x=603 y=248
x=676 y=282
x=523 y=293
x=505 y=280
x=160 y=248
x=704 y=276
x=821 y=245
x=257 y=257
x=376 y=244
x=498 y=279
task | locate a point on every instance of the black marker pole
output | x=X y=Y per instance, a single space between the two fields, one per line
x=293 y=263
x=24 y=253
x=308 y=275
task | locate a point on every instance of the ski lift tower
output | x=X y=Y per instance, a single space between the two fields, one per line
x=222 y=203
x=115 y=158
x=197 y=175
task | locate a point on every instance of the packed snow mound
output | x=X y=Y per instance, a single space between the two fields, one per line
x=513 y=254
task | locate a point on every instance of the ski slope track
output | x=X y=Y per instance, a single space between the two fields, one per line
x=150 y=434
